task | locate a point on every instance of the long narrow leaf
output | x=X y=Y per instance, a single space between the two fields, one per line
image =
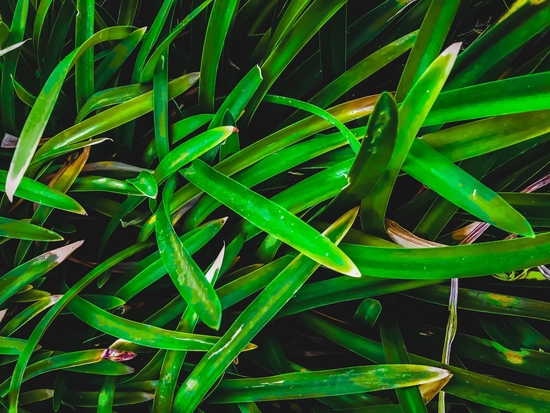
x=250 y=321
x=270 y=217
x=42 y=109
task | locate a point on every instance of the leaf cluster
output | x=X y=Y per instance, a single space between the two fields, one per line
x=266 y=205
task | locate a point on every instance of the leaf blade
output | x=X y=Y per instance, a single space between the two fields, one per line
x=249 y=204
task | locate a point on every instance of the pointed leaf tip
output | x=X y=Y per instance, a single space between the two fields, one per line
x=453 y=49
x=529 y=233
x=12 y=183
x=354 y=272
x=63 y=252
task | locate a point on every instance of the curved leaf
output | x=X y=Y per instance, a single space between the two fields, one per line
x=111 y=118
x=116 y=57
x=15 y=229
x=135 y=332
x=251 y=321
x=324 y=383
x=216 y=32
x=149 y=68
x=186 y=274
x=269 y=216
x=42 y=109
x=13 y=281
x=412 y=113
x=450 y=262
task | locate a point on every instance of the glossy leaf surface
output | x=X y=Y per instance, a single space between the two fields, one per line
x=263 y=213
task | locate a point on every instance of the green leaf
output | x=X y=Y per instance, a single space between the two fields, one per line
x=295 y=103
x=38 y=332
x=152 y=268
x=362 y=70
x=234 y=104
x=145 y=183
x=216 y=32
x=269 y=145
x=11 y=346
x=427 y=47
x=173 y=361
x=109 y=97
x=372 y=160
x=412 y=113
x=61 y=181
x=4 y=33
x=62 y=150
x=92 y=183
x=465 y=384
x=450 y=262
x=251 y=321
x=160 y=106
x=39 y=22
x=116 y=57
x=106 y=396
x=111 y=118
x=63 y=361
x=35 y=396
x=23 y=94
x=276 y=163
x=177 y=158
x=501 y=97
x=332 y=45
x=42 y=109
x=484 y=136
x=371 y=24
x=340 y=289
x=526 y=335
x=232 y=144
x=309 y=23
x=150 y=39
x=28 y=314
x=235 y=291
x=15 y=229
x=149 y=68
x=324 y=383
x=105 y=302
x=7 y=96
x=498 y=42
x=395 y=351
x=291 y=14
x=442 y=210
x=14 y=280
x=269 y=217
x=84 y=66
x=533 y=362
x=135 y=332
x=190 y=150
x=499 y=332
x=183 y=128
x=109 y=366
x=90 y=399
x=485 y=302
x=185 y=273
x=463 y=190
x=368 y=312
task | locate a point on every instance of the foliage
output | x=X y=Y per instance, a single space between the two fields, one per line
x=266 y=205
